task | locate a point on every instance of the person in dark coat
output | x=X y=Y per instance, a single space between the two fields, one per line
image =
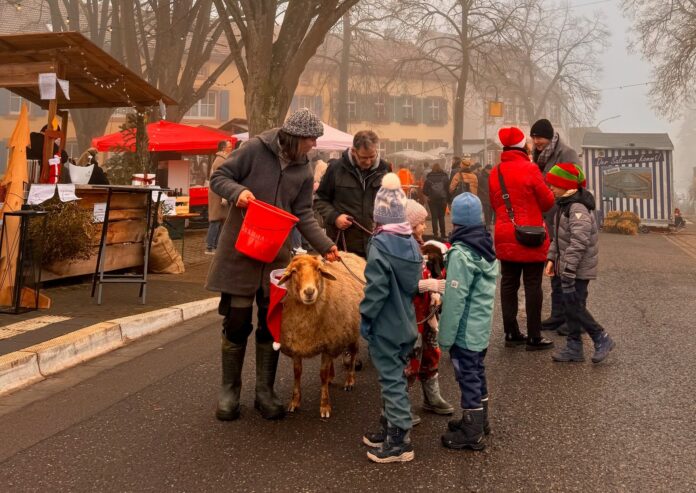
x=271 y=167
x=436 y=189
x=549 y=150
x=530 y=198
x=347 y=192
x=484 y=195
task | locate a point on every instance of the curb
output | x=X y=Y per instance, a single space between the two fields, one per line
x=33 y=364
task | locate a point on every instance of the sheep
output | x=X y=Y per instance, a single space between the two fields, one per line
x=321 y=316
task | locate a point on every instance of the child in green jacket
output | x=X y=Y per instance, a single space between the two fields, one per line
x=467 y=314
x=388 y=319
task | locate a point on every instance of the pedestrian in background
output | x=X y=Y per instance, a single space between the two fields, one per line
x=436 y=189
x=271 y=167
x=467 y=314
x=388 y=319
x=547 y=151
x=484 y=195
x=464 y=180
x=424 y=362
x=218 y=208
x=529 y=197
x=573 y=258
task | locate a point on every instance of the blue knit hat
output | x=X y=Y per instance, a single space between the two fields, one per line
x=390 y=201
x=467 y=210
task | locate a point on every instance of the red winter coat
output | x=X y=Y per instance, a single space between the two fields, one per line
x=530 y=198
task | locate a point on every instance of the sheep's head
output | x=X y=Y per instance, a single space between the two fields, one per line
x=307 y=274
x=435 y=260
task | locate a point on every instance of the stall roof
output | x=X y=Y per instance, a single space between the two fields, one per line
x=97 y=80
x=660 y=142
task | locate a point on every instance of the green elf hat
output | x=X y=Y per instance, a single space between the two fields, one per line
x=567 y=176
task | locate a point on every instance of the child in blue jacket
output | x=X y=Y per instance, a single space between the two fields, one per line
x=388 y=320
x=467 y=314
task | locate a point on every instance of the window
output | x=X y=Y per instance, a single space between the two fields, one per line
x=381 y=107
x=382 y=147
x=434 y=109
x=205 y=107
x=555 y=113
x=308 y=102
x=407 y=107
x=509 y=111
x=15 y=104
x=352 y=106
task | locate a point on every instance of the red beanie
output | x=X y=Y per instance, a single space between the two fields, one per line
x=512 y=137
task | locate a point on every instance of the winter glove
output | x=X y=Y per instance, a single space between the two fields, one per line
x=434 y=285
x=365 y=327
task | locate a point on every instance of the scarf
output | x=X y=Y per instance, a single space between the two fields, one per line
x=397 y=228
x=548 y=151
x=477 y=238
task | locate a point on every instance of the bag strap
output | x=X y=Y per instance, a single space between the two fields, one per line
x=506 y=195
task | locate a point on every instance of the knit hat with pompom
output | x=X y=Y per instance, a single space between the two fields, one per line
x=415 y=213
x=390 y=201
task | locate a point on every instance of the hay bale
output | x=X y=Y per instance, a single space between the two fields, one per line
x=627 y=227
x=630 y=216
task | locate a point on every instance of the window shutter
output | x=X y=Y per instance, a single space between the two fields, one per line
x=3 y=156
x=419 y=110
x=4 y=102
x=224 y=100
x=389 y=102
x=398 y=109
x=319 y=107
x=444 y=116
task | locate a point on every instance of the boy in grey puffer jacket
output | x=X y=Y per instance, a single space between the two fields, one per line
x=574 y=256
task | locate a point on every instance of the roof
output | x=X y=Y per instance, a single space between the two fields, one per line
x=96 y=79
x=628 y=141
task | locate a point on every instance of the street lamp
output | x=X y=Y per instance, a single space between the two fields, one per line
x=486 y=111
x=606 y=120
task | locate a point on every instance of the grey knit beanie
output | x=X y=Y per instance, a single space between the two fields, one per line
x=303 y=123
x=390 y=202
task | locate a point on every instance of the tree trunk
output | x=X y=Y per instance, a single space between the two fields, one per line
x=458 y=136
x=343 y=76
x=89 y=123
x=267 y=102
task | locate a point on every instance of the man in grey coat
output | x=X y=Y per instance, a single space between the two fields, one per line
x=550 y=150
x=272 y=167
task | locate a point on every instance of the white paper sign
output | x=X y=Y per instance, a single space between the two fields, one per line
x=39 y=194
x=47 y=86
x=66 y=192
x=99 y=212
x=65 y=87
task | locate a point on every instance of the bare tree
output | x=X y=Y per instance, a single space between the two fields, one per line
x=449 y=35
x=547 y=54
x=271 y=42
x=166 y=42
x=664 y=33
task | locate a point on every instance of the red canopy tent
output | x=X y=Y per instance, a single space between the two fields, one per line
x=168 y=136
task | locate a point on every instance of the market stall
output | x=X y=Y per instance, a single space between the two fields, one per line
x=332 y=140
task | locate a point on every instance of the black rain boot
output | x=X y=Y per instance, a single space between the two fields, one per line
x=396 y=448
x=470 y=433
x=228 y=399
x=455 y=424
x=266 y=402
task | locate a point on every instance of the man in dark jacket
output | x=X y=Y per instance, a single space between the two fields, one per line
x=436 y=188
x=484 y=196
x=346 y=195
x=272 y=167
x=550 y=150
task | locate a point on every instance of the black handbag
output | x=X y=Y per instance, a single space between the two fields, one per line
x=530 y=236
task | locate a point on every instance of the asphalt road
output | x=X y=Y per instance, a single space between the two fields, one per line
x=141 y=418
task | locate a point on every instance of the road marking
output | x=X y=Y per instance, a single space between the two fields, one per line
x=685 y=245
x=18 y=328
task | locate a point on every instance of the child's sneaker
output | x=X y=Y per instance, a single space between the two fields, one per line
x=396 y=447
x=210 y=251
x=469 y=434
x=572 y=352
x=377 y=438
x=603 y=347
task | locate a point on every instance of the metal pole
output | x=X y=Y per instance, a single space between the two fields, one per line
x=485 y=132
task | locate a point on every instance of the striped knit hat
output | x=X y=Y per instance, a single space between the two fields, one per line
x=567 y=176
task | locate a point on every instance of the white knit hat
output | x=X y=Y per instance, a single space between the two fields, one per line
x=390 y=201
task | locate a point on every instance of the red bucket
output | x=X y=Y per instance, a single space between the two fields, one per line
x=264 y=230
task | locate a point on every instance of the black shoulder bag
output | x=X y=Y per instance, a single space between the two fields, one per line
x=530 y=236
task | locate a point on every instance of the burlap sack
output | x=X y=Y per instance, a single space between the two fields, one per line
x=164 y=257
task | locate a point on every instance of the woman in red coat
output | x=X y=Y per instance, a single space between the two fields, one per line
x=530 y=198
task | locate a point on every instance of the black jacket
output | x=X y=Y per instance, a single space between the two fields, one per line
x=345 y=189
x=436 y=186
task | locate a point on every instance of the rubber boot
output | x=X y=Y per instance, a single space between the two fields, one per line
x=415 y=419
x=228 y=399
x=470 y=433
x=396 y=448
x=455 y=424
x=266 y=402
x=432 y=400
x=603 y=346
x=572 y=352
